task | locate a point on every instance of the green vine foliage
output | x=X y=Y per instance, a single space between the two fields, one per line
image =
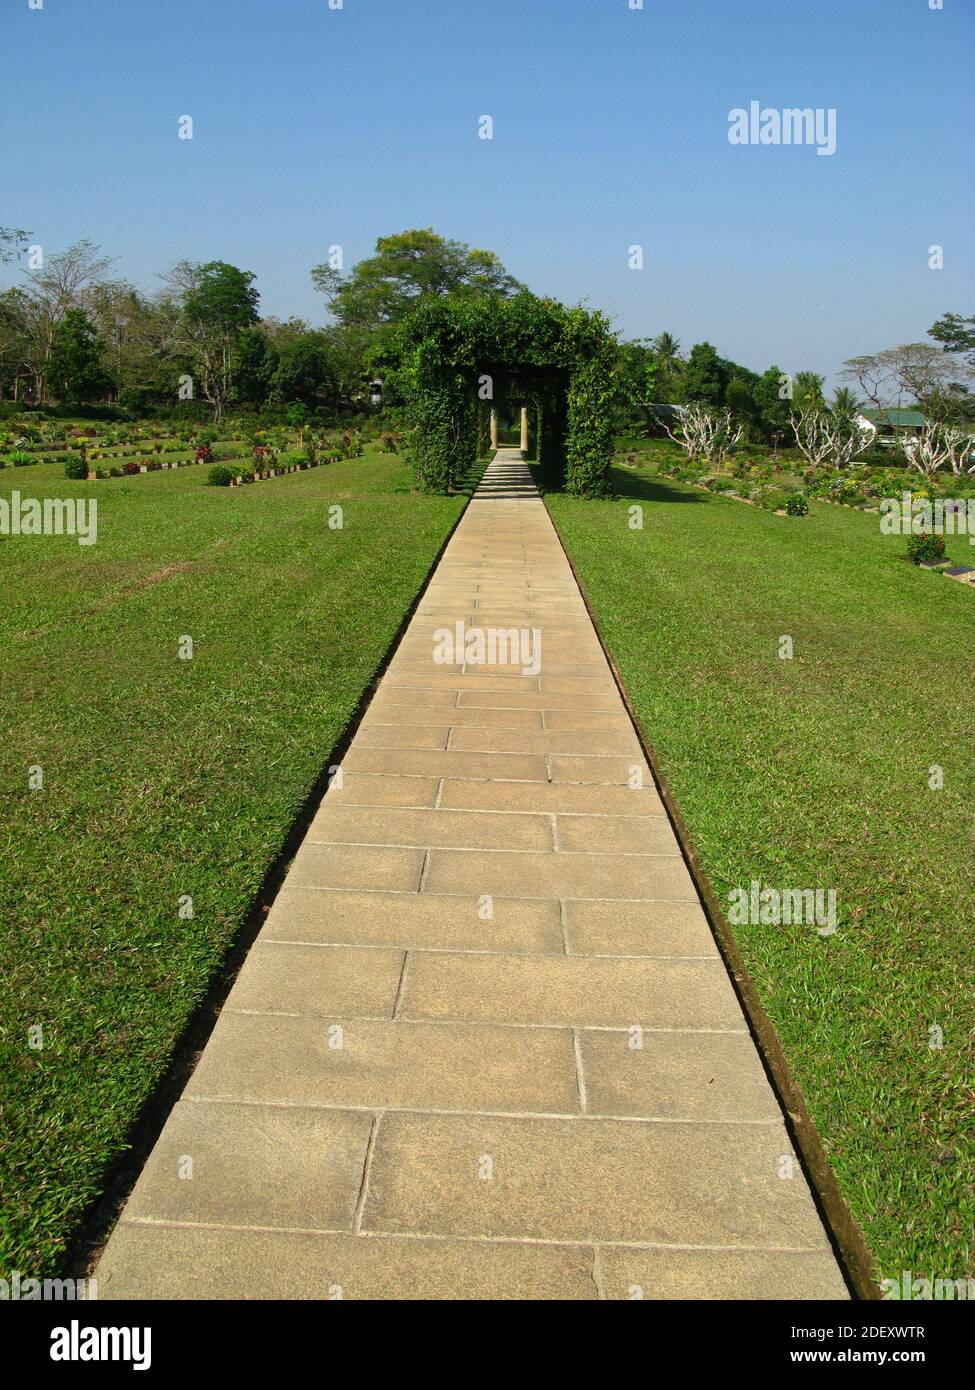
x=453 y=357
x=591 y=398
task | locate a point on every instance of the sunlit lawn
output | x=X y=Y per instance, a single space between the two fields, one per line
x=814 y=772
x=163 y=777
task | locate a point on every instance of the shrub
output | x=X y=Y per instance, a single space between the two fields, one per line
x=297 y=458
x=20 y=458
x=204 y=454
x=771 y=498
x=924 y=547
x=351 y=445
x=130 y=467
x=388 y=442
x=721 y=483
x=76 y=469
x=219 y=476
x=796 y=504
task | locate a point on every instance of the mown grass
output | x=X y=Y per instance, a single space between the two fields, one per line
x=163 y=777
x=814 y=772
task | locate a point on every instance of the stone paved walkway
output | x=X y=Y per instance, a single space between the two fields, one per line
x=427 y=1082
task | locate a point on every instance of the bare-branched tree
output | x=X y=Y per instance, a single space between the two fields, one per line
x=936 y=446
x=829 y=437
x=706 y=433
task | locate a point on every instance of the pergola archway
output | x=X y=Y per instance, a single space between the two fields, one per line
x=457 y=362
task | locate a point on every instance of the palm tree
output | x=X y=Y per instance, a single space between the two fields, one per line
x=845 y=401
x=666 y=349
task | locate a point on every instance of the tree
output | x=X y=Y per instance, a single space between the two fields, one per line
x=638 y=375
x=740 y=400
x=773 y=407
x=937 y=444
x=218 y=303
x=956 y=334
x=118 y=313
x=406 y=267
x=666 y=349
x=52 y=290
x=305 y=372
x=349 y=348
x=912 y=373
x=13 y=240
x=705 y=376
x=255 y=361
x=15 y=341
x=706 y=433
x=845 y=401
x=824 y=437
x=75 y=370
x=807 y=392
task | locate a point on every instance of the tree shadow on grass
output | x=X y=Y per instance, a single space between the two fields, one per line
x=628 y=483
x=466 y=484
x=650 y=487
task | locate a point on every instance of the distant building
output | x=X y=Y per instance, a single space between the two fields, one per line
x=890 y=423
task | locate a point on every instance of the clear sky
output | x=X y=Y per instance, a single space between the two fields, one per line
x=316 y=126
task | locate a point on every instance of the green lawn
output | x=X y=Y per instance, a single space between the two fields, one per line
x=163 y=777
x=814 y=773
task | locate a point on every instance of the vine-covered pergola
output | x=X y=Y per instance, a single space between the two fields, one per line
x=456 y=360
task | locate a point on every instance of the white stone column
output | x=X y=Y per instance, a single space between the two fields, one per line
x=524 y=429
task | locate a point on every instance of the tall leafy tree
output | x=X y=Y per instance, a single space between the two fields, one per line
x=305 y=371
x=774 y=409
x=75 y=368
x=15 y=341
x=383 y=288
x=740 y=400
x=52 y=289
x=255 y=362
x=807 y=392
x=705 y=376
x=218 y=303
x=956 y=334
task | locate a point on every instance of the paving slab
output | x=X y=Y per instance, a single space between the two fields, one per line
x=484 y=1045
x=379 y=1064
x=464 y=829
x=637 y=929
x=571 y=990
x=602 y=1180
x=561 y=875
x=569 y=799
x=281 y=977
x=420 y=921
x=627 y=1273
x=186 y=1262
x=254 y=1165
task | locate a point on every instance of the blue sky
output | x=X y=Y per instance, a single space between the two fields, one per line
x=315 y=126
